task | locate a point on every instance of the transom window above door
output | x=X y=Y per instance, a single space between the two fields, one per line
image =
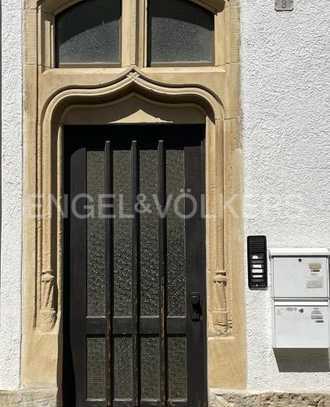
x=88 y=33
x=160 y=33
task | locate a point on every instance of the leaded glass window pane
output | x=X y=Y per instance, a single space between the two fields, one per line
x=89 y=33
x=180 y=32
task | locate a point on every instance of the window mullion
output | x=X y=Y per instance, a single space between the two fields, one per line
x=142 y=33
x=129 y=32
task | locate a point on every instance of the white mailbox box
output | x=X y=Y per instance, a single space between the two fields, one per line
x=300 y=277
x=300 y=298
x=301 y=325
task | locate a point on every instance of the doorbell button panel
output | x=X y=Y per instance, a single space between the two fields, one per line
x=257 y=262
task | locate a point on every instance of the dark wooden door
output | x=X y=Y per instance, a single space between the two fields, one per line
x=135 y=306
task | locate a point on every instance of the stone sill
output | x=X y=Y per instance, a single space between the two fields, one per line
x=41 y=397
x=220 y=398
x=46 y=397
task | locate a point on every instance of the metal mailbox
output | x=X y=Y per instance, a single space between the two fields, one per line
x=300 y=298
x=300 y=277
x=301 y=325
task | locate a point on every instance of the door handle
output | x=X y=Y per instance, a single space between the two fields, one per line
x=196 y=307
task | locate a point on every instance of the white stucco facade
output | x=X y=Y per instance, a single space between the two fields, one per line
x=11 y=158
x=285 y=95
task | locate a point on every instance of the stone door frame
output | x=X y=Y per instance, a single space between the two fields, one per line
x=54 y=97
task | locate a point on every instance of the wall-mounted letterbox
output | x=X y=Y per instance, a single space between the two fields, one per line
x=301 y=325
x=300 y=298
x=300 y=277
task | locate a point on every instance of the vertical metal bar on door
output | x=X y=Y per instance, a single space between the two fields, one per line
x=135 y=272
x=162 y=272
x=108 y=208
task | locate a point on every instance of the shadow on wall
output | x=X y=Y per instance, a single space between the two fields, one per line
x=303 y=360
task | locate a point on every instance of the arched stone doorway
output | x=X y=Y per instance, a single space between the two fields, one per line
x=137 y=93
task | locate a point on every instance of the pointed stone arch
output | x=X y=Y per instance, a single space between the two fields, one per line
x=132 y=81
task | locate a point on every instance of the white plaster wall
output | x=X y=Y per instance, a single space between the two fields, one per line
x=11 y=98
x=286 y=137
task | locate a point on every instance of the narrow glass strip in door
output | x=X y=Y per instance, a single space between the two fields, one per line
x=123 y=368
x=122 y=230
x=96 y=357
x=150 y=368
x=149 y=246
x=95 y=235
x=176 y=278
x=177 y=368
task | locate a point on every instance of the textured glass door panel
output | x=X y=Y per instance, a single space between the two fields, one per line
x=180 y=32
x=88 y=32
x=149 y=246
x=177 y=368
x=131 y=277
x=95 y=236
x=122 y=367
x=96 y=358
x=176 y=278
x=150 y=368
x=122 y=232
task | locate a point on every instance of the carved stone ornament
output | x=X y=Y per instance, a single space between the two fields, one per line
x=47 y=311
x=221 y=320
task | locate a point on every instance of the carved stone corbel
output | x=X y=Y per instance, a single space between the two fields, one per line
x=47 y=310
x=221 y=320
